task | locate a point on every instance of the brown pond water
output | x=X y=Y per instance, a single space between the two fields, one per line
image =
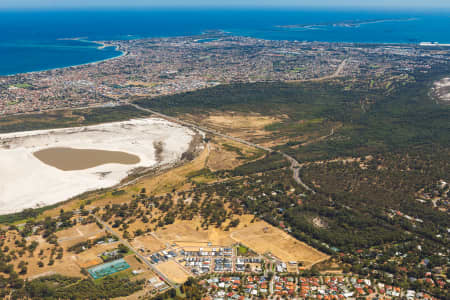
x=69 y=159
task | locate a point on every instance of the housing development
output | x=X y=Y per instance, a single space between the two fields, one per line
x=165 y=66
x=224 y=167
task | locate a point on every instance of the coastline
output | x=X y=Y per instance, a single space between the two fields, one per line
x=102 y=46
x=348 y=24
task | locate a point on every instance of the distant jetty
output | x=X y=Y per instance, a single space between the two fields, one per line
x=433 y=44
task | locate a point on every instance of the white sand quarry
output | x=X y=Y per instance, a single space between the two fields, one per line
x=26 y=182
x=442 y=89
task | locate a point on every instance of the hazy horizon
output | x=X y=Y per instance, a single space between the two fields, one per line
x=332 y=4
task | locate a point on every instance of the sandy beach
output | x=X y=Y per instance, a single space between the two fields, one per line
x=27 y=182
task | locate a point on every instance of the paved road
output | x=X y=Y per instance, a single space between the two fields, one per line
x=143 y=258
x=336 y=73
x=295 y=165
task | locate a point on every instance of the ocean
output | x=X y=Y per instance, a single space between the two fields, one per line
x=41 y=40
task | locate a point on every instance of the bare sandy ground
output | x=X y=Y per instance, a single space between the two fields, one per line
x=173 y=271
x=442 y=89
x=259 y=236
x=26 y=182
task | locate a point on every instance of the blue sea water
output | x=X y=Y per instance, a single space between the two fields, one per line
x=32 y=40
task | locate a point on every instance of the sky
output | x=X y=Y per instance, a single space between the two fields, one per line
x=407 y=4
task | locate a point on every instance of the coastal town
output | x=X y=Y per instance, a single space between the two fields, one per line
x=166 y=66
x=260 y=169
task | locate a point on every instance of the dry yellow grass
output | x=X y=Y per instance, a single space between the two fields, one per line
x=182 y=231
x=141 y=83
x=191 y=232
x=91 y=257
x=173 y=271
x=147 y=242
x=65 y=266
x=263 y=238
x=71 y=263
x=175 y=178
x=238 y=121
x=259 y=236
x=136 y=296
x=89 y=263
x=221 y=158
x=74 y=235
x=247 y=126
x=135 y=265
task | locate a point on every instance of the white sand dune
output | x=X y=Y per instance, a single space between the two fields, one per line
x=26 y=182
x=442 y=89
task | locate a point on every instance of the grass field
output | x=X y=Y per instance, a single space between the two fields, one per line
x=242 y=250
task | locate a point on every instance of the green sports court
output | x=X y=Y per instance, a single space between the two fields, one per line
x=108 y=268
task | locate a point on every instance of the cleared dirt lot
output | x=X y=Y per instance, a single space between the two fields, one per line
x=143 y=271
x=237 y=121
x=219 y=159
x=91 y=257
x=147 y=242
x=263 y=238
x=173 y=271
x=260 y=236
x=74 y=235
x=248 y=126
x=186 y=232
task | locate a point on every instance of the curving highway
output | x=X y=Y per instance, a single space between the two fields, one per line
x=295 y=165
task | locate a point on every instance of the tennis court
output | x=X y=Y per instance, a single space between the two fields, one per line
x=108 y=268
